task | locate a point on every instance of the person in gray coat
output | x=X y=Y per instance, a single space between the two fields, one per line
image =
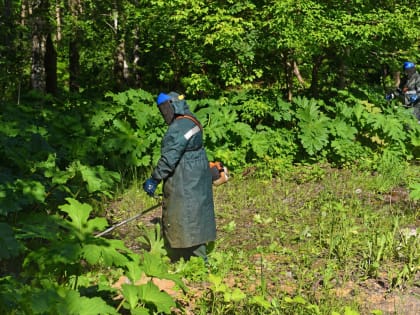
x=409 y=89
x=188 y=217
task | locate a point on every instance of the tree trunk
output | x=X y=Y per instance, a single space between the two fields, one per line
x=288 y=67
x=58 y=19
x=297 y=74
x=396 y=76
x=136 y=61
x=39 y=26
x=50 y=67
x=24 y=12
x=7 y=48
x=120 y=66
x=8 y=21
x=37 y=68
x=342 y=69
x=121 y=69
x=317 y=62
x=74 y=65
x=74 y=57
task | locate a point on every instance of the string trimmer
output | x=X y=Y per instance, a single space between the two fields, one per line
x=128 y=220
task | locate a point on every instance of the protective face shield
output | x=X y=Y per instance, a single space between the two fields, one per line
x=165 y=107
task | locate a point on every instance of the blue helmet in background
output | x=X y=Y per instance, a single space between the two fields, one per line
x=408 y=65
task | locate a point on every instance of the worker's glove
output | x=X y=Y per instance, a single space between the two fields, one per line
x=150 y=185
x=390 y=96
x=413 y=98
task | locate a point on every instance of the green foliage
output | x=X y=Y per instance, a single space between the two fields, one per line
x=203 y=47
x=391 y=169
x=62 y=250
x=149 y=294
x=8 y=244
x=61 y=300
x=126 y=139
x=256 y=127
x=196 y=83
x=154 y=263
x=415 y=191
x=313 y=125
x=332 y=234
x=153 y=239
x=61 y=154
x=52 y=230
x=74 y=241
x=39 y=161
x=194 y=269
x=50 y=299
x=344 y=147
x=96 y=179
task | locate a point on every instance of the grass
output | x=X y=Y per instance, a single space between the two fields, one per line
x=316 y=241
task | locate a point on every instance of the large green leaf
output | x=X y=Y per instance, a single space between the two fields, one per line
x=74 y=304
x=155 y=266
x=140 y=311
x=341 y=129
x=150 y=293
x=415 y=191
x=313 y=125
x=79 y=214
x=107 y=252
x=42 y=226
x=134 y=270
x=131 y=295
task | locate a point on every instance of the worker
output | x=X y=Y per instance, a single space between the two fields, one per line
x=409 y=89
x=188 y=217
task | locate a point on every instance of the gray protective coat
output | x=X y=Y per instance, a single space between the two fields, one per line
x=188 y=209
x=409 y=86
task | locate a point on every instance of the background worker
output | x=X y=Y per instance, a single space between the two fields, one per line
x=188 y=210
x=409 y=89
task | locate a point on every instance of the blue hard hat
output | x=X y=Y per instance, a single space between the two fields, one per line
x=408 y=65
x=162 y=98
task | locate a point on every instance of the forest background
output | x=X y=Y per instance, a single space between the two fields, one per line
x=275 y=84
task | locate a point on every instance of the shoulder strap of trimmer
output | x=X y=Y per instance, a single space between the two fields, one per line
x=193 y=119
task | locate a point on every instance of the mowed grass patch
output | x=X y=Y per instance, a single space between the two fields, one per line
x=324 y=234
x=318 y=240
